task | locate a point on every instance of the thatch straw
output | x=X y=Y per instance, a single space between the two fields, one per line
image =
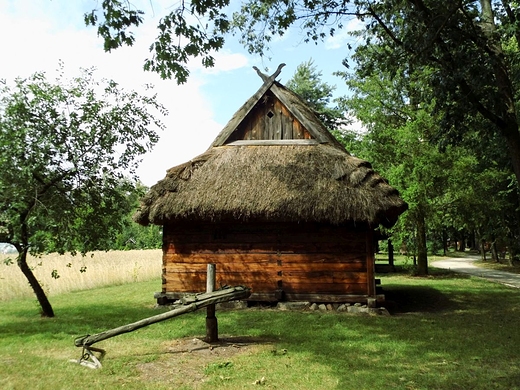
x=292 y=183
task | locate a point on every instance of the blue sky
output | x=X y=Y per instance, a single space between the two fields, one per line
x=37 y=34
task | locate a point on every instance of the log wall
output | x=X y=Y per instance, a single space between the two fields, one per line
x=278 y=261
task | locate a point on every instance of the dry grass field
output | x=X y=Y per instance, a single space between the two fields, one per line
x=63 y=273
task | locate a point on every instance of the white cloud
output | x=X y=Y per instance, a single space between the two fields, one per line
x=34 y=42
x=36 y=34
x=226 y=61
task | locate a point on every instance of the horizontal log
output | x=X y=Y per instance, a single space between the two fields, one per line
x=257 y=239
x=324 y=277
x=272 y=297
x=258 y=233
x=178 y=286
x=266 y=285
x=322 y=297
x=223 y=258
x=307 y=277
x=282 y=248
x=263 y=228
x=281 y=142
x=264 y=296
x=329 y=288
x=267 y=266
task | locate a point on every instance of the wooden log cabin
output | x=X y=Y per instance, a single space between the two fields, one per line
x=277 y=204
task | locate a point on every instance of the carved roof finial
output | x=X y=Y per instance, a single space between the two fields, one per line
x=266 y=78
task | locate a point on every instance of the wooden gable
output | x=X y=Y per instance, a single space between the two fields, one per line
x=275 y=115
x=270 y=119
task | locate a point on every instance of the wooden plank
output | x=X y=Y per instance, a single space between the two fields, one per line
x=242 y=113
x=298 y=130
x=315 y=226
x=314 y=277
x=263 y=231
x=371 y=285
x=275 y=121
x=181 y=286
x=274 y=142
x=287 y=258
x=286 y=120
x=237 y=277
x=246 y=278
x=268 y=267
x=350 y=288
x=272 y=247
x=323 y=297
x=222 y=267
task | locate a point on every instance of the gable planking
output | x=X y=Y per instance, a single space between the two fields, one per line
x=269 y=120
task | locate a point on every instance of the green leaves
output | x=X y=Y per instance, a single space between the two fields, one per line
x=66 y=149
x=193 y=29
x=307 y=83
x=114 y=27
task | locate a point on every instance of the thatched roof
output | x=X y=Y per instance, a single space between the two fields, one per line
x=278 y=183
x=277 y=179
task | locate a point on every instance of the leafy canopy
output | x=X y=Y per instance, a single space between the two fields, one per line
x=307 y=83
x=66 y=148
x=190 y=29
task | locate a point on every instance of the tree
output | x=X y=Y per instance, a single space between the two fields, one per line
x=471 y=47
x=307 y=83
x=191 y=29
x=464 y=188
x=394 y=144
x=66 y=149
x=135 y=236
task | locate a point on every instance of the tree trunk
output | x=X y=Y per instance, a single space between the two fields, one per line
x=472 y=241
x=507 y=120
x=462 y=247
x=422 y=252
x=444 y=242
x=390 y=253
x=483 y=249
x=494 y=254
x=45 y=305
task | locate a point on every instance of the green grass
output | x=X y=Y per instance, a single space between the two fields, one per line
x=501 y=266
x=446 y=332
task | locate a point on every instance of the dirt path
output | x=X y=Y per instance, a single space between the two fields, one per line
x=466 y=265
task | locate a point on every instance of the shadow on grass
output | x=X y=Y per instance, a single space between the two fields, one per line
x=414 y=299
x=459 y=340
x=73 y=321
x=461 y=337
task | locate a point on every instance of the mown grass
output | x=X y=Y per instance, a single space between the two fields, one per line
x=500 y=266
x=446 y=332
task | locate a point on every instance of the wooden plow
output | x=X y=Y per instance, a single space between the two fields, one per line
x=184 y=305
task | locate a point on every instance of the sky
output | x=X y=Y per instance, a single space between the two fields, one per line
x=38 y=34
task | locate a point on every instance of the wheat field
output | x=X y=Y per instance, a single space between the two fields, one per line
x=63 y=273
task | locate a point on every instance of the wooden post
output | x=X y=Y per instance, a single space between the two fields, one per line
x=211 y=320
x=370 y=261
x=391 y=254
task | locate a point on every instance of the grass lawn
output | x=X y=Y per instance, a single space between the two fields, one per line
x=502 y=266
x=446 y=332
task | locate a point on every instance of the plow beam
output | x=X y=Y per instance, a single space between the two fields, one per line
x=185 y=305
